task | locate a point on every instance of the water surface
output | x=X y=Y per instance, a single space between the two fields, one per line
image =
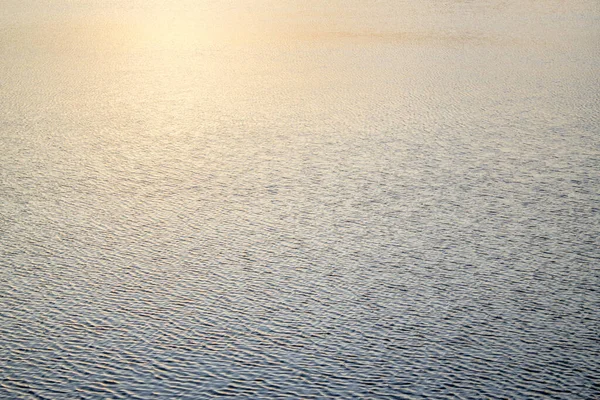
x=299 y=199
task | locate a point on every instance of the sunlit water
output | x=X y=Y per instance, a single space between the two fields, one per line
x=305 y=199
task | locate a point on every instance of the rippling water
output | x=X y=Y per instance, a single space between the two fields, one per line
x=392 y=199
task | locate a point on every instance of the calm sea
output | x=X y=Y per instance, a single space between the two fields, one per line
x=300 y=199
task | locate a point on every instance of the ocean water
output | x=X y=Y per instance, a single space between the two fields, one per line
x=284 y=199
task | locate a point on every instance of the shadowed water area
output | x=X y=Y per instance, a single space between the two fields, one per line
x=302 y=199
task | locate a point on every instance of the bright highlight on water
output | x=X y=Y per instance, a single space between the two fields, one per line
x=299 y=199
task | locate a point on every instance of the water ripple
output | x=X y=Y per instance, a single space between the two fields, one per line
x=353 y=214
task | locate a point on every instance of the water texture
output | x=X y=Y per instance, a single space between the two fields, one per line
x=260 y=199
